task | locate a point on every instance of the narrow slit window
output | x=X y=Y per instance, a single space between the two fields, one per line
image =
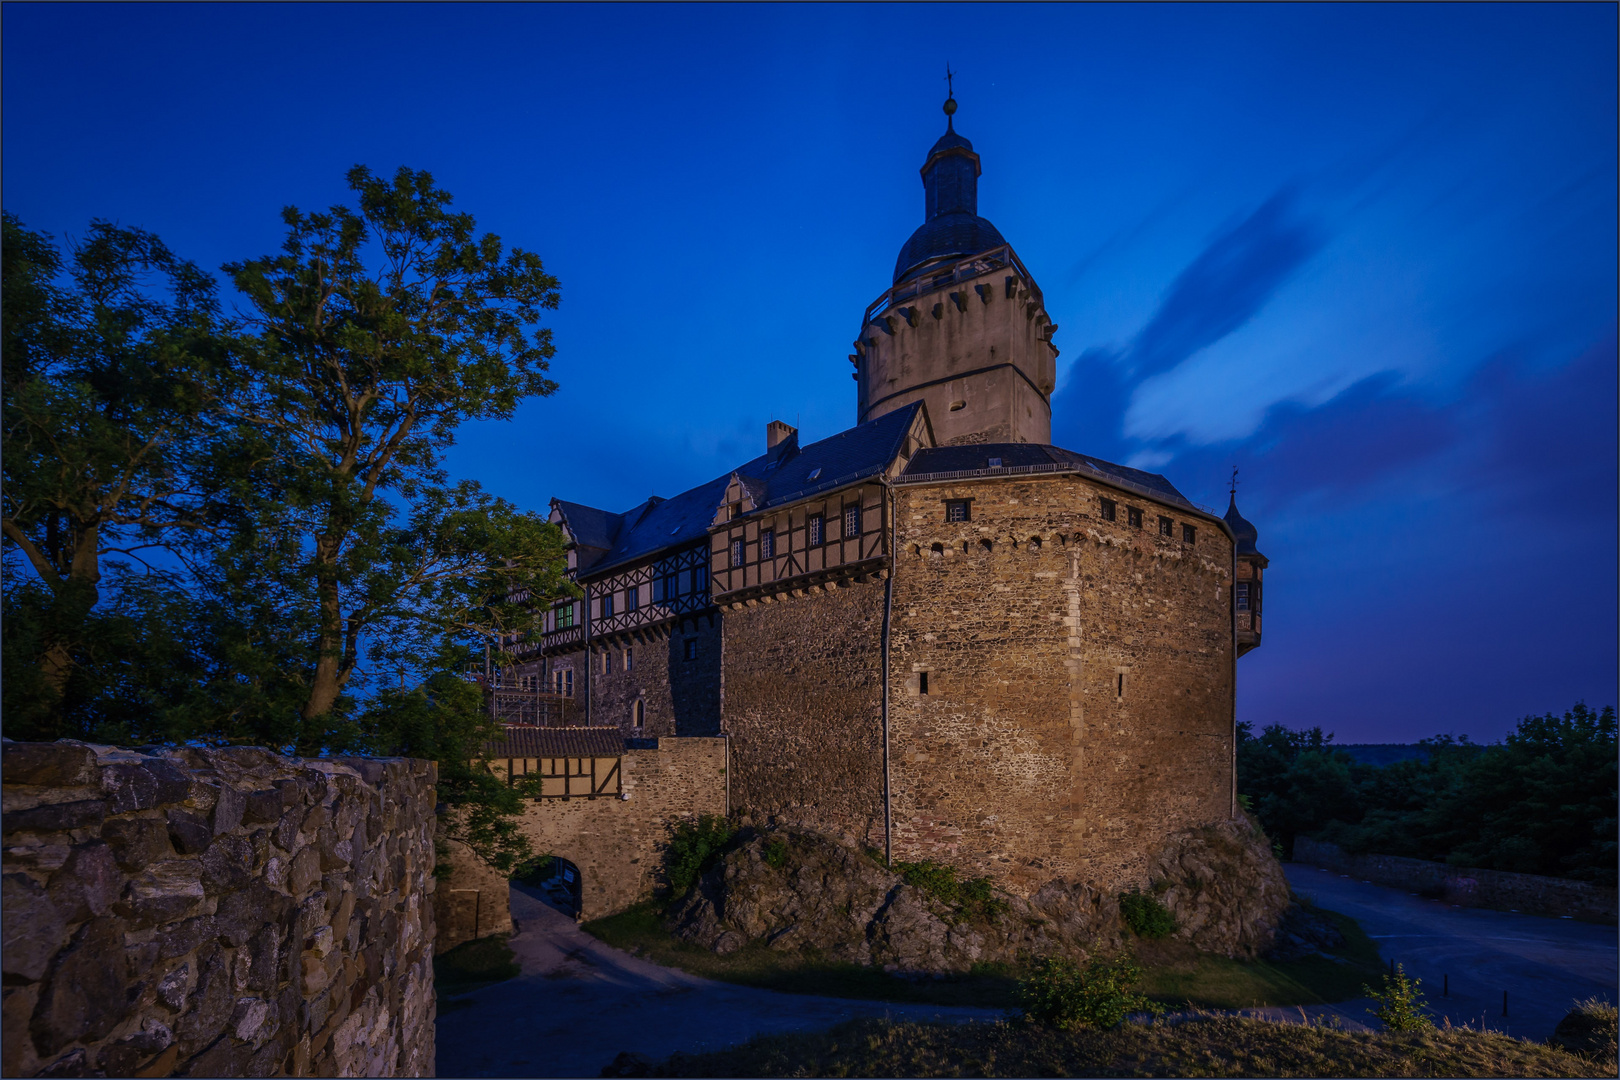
x=607 y=663
x=691 y=648
x=1109 y=511
x=629 y=659
x=852 y=521
x=638 y=713
x=922 y=682
x=1120 y=689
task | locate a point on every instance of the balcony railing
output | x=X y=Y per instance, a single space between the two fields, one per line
x=535 y=708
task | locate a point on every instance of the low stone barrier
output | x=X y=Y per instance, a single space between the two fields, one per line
x=225 y=912
x=1465 y=886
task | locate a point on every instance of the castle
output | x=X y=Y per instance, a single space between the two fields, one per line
x=933 y=631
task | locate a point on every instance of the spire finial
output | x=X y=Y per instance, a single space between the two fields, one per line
x=1234 y=482
x=950 y=96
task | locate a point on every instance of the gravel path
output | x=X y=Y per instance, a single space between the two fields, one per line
x=579 y=1002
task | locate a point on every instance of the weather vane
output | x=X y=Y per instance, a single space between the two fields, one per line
x=1234 y=481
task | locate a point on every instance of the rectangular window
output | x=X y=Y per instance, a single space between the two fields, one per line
x=1166 y=526
x=565 y=616
x=767 y=544
x=629 y=659
x=1242 y=596
x=736 y=553
x=564 y=682
x=691 y=648
x=672 y=586
x=607 y=605
x=1108 y=512
x=852 y=521
x=1134 y=517
x=638 y=713
x=956 y=510
x=607 y=663
x=922 y=682
x=632 y=597
x=700 y=579
x=1189 y=533
x=816 y=528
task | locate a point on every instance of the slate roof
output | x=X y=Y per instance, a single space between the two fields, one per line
x=782 y=474
x=1243 y=531
x=958 y=459
x=546 y=742
x=591 y=527
x=958 y=234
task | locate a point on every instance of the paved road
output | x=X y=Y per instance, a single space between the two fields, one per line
x=1542 y=964
x=580 y=1002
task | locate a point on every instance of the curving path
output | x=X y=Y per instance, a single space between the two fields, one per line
x=580 y=1002
x=1542 y=964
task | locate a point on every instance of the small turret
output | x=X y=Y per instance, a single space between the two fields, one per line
x=1248 y=585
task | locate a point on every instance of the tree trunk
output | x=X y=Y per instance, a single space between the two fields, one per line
x=327 y=682
x=71 y=602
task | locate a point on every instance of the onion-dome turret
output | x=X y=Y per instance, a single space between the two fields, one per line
x=952 y=227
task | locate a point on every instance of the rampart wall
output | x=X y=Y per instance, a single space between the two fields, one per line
x=221 y=912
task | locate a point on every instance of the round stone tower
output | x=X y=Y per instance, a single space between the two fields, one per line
x=964 y=327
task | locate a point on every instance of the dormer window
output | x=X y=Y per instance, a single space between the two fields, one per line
x=995 y=463
x=735 y=511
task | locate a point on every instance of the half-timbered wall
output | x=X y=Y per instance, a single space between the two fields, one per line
x=794 y=554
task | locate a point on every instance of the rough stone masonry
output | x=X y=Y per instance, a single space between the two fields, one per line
x=225 y=912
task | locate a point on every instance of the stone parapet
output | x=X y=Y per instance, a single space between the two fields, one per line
x=225 y=912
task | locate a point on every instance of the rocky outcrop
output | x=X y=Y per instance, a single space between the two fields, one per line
x=224 y=912
x=826 y=895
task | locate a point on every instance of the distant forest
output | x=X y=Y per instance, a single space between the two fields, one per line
x=1542 y=801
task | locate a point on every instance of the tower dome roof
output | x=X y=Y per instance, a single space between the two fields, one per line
x=952 y=226
x=1243 y=531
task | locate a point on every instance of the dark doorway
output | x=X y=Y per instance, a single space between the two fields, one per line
x=560 y=886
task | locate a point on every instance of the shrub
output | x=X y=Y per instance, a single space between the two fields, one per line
x=1400 y=1003
x=776 y=852
x=1146 y=917
x=1066 y=996
x=693 y=848
x=1590 y=1030
x=975 y=896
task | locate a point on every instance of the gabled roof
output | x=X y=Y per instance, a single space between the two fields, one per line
x=778 y=476
x=589 y=526
x=1034 y=457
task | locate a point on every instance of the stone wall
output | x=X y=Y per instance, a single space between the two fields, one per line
x=1467 y=886
x=216 y=913
x=471 y=900
x=617 y=843
x=681 y=697
x=1079 y=681
x=803 y=707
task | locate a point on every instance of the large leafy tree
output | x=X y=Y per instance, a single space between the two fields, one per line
x=375 y=333
x=111 y=371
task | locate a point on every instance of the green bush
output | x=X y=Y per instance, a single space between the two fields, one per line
x=1146 y=917
x=975 y=896
x=776 y=852
x=1400 y=1003
x=1065 y=996
x=693 y=847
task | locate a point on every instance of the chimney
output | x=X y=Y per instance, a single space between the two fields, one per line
x=777 y=432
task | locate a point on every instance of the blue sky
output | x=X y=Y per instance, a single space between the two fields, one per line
x=1366 y=253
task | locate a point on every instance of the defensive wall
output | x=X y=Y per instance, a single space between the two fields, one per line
x=225 y=912
x=1464 y=886
x=1077 y=708
x=617 y=841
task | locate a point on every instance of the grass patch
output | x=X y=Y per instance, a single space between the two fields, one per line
x=1178 y=976
x=1172 y=972
x=1200 y=1046
x=640 y=930
x=473 y=964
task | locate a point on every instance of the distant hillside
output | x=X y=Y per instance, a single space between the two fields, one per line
x=1381 y=753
